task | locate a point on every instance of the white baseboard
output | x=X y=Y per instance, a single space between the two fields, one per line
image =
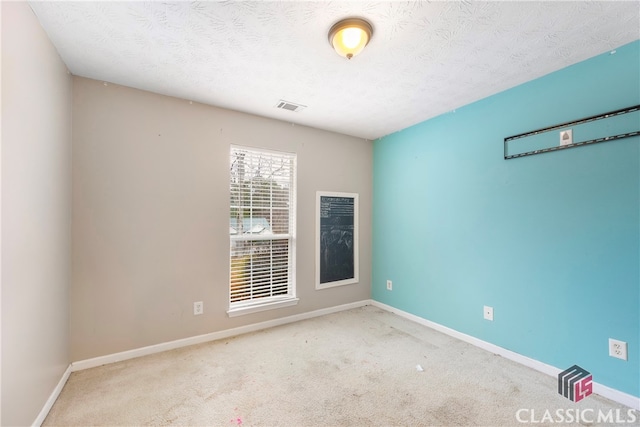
x=52 y=398
x=602 y=390
x=617 y=396
x=157 y=348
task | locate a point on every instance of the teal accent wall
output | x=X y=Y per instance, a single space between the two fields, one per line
x=551 y=241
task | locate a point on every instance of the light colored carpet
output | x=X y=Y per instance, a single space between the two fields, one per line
x=354 y=368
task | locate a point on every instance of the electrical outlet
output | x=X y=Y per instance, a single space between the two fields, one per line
x=389 y=285
x=198 y=308
x=617 y=349
x=488 y=312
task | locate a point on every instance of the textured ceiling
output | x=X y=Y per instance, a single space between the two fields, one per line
x=425 y=58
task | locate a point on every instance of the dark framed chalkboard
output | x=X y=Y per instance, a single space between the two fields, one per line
x=336 y=239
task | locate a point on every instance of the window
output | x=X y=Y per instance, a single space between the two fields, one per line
x=261 y=230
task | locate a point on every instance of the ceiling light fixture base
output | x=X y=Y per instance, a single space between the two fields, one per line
x=349 y=36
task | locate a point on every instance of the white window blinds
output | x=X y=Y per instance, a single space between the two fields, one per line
x=261 y=226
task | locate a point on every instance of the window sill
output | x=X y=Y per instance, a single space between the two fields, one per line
x=262 y=306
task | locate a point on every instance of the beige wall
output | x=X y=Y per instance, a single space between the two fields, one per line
x=36 y=215
x=150 y=215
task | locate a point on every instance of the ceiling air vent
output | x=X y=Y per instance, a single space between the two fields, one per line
x=291 y=106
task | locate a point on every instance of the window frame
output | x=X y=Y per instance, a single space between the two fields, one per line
x=253 y=305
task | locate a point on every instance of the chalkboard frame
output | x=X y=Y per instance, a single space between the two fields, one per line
x=337 y=262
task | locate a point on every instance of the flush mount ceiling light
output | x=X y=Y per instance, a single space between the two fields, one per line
x=349 y=36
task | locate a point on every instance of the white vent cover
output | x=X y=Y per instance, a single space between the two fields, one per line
x=291 y=106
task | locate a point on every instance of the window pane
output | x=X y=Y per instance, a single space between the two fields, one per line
x=261 y=202
x=259 y=269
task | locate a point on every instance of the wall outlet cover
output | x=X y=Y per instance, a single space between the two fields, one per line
x=488 y=313
x=617 y=349
x=198 y=308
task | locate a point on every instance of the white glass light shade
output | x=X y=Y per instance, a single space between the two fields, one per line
x=349 y=36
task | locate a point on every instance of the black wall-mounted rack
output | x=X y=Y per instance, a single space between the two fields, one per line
x=568 y=125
